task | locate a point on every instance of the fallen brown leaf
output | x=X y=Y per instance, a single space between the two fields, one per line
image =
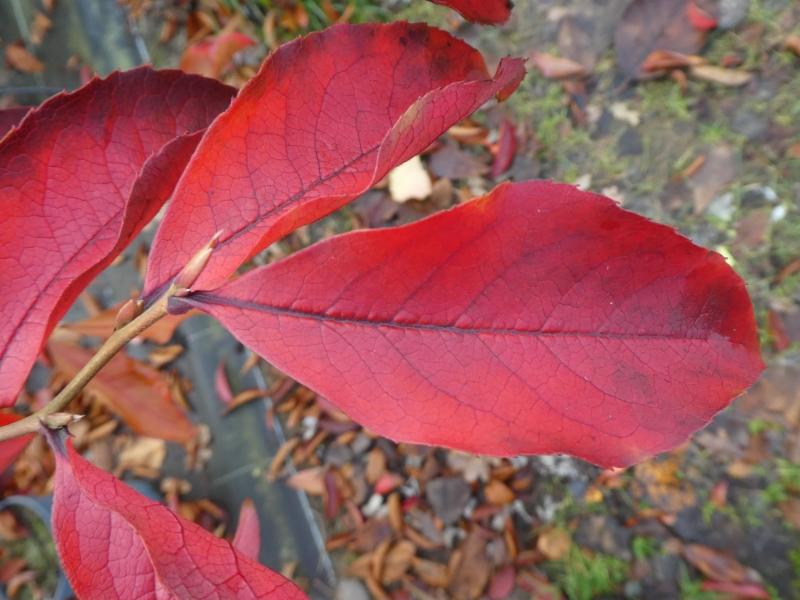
x=554 y=543
x=311 y=481
x=20 y=59
x=164 y=355
x=717 y=565
x=398 y=561
x=471 y=575
x=720 y=75
x=143 y=456
x=498 y=493
x=792 y=42
x=433 y=573
x=556 y=67
x=39 y=27
x=137 y=393
x=649 y=25
x=102 y=325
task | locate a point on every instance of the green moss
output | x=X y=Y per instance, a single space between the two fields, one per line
x=38 y=552
x=583 y=575
x=644 y=547
x=665 y=99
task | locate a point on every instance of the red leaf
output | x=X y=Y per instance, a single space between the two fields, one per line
x=737 y=591
x=136 y=392
x=116 y=544
x=211 y=56
x=222 y=386
x=247 y=539
x=699 y=18
x=502 y=583
x=489 y=12
x=78 y=179
x=11 y=449
x=506 y=149
x=326 y=117
x=11 y=117
x=537 y=319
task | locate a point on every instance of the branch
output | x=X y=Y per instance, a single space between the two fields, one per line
x=105 y=353
x=124 y=334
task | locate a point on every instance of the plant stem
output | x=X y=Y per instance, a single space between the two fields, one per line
x=105 y=353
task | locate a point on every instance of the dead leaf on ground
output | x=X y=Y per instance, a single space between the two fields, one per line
x=720 y=75
x=433 y=573
x=752 y=230
x=554 y=543
x=448 y=496
x=143 y=456
x=737 y=591
x=775 y=396
x=398 y=561
x=575 y=40
x=649 y=25
x=163 y=355
x=472 y=467
x=502 y=583
x=719 y=169
x=211 y=57
x=658 y=484
x=311 y=481
x=792 y=43
x=470 y=577
x=452 y=162
x=21 y=60
x=498 y=493
x=717 y=565
x=664 y=60
x=506 y=148
x=139 y=394
x=791 y=512
x=102 y=325
x=222 y=386
x=557 y=67
x=39 y=27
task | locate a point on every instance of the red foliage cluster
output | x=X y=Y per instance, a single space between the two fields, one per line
x=538 y=318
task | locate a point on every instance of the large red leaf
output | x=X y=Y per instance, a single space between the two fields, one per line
x=481 y=11
x=11 y=117
x=78 y=179
x=536 y=319
x=325 y=118
x=115 y=544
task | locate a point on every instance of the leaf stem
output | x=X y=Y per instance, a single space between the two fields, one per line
x=105 y=353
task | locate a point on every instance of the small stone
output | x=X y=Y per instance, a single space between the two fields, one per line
x=732 y=12
x=722 y=207
x=630 y=143
x=448 y=496
x=338 y=455
x=750 y=125
x=778 y=213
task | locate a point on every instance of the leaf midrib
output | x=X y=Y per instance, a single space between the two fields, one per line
x=199 y=299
